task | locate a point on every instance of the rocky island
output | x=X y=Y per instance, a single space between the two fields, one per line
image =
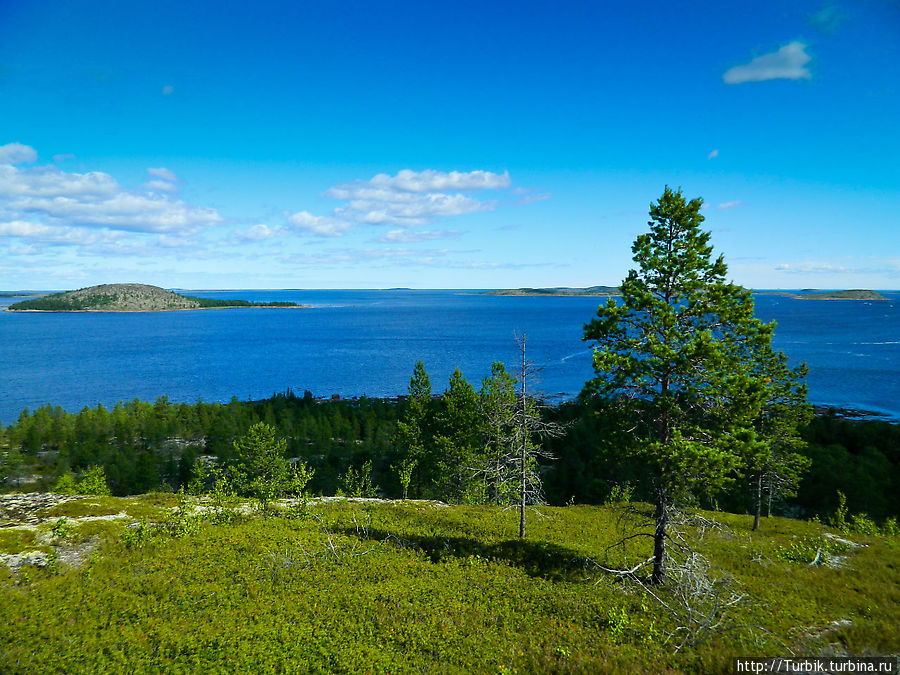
x=129 y=298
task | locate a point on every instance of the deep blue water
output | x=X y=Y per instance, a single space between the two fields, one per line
x=359 y=342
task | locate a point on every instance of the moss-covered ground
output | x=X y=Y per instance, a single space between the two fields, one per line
x=414 y=587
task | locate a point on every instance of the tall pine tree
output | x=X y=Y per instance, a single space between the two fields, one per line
x=676 y=352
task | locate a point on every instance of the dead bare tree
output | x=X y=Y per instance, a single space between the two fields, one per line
x=530 y=429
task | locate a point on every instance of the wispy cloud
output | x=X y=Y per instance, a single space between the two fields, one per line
x=160 y=186
x=724 y=206
x=168 y=90
x=812 y=267
x=788 y=63
x=321 y=226
x=260 y=232
x=382 y=257
x=414 y=236
x=163 y=173
x=17 y=153
x=713 y=154
x=828 y=19
x=531 y=199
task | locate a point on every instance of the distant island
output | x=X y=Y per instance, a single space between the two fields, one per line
x=129 y=298
x=599 y=291
x=853 y=294
x=615 y=292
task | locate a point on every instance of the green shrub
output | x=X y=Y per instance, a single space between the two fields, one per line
x=862 y=524
x=93 y=482
x=358 y=482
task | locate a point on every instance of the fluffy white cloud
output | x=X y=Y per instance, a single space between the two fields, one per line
x=321 y=226
x=164 y=173
x=17 y=153
x=788 y=63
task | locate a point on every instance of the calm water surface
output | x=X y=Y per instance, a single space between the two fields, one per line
x=366 y=342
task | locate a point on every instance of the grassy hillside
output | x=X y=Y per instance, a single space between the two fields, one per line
x=401 y=587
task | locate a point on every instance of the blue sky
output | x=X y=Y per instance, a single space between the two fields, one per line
x=443 y=145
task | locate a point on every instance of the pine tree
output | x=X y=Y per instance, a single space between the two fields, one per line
x=456 y=442
x=676 y=352
x=413 y=431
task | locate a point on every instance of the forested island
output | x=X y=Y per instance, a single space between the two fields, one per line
x=852 y=294
x=129 y=298
x=615 y=292
x=592 y=291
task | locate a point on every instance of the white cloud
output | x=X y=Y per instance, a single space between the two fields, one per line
x=52 y=235
x=49 y=181
x=788 y=63
x=410 y=210
x=413 y=236
x=713 y=154
x=321 y=226
x=728 y=205
x=124 y=211
x=17 y=153
x=164 y=173
x=95 y=200
x=413 y=198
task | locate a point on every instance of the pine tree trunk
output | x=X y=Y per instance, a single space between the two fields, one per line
x=659 y=538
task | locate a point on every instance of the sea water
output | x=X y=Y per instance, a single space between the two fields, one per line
x=366 y=342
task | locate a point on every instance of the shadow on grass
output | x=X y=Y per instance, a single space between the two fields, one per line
x=535 y=558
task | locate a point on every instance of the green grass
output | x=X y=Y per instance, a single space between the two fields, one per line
x=18 y=541
x=401 y=588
